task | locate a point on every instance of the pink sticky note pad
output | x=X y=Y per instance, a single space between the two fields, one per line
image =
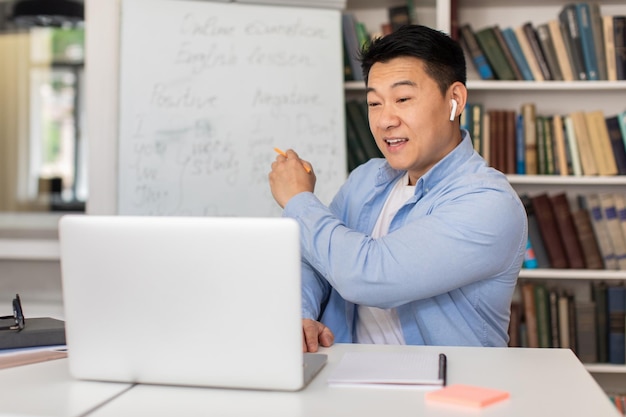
x=467 y=395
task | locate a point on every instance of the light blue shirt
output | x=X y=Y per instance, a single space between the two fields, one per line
x=449 y=263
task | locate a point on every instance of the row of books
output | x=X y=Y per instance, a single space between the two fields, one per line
x=525 y=142
x=547 y=317
x=579 y=44
x=619 y=400
x=356 y=34
x=586 y=233
x=361 y=144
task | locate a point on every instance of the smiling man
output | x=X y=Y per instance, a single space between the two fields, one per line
x=423 y=246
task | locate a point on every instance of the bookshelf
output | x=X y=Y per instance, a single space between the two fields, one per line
x=550 y=97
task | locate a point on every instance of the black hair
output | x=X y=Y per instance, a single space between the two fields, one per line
x=442 y=56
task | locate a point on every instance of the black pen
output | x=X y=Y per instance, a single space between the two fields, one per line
x=443 y=368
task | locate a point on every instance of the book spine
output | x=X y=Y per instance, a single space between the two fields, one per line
x=595 y=17
x=586 y=331
x=619 y=42
x=609 y=47
x=491 y=48
x=587 y=238
x=617 y=143
x=616 y=307
x=549 y=231
x=569 y=20
x=607 y=202
x=547 y=46
x=599 y=298
x=518 y=54
x=600 y=229
x=586 y=39
x=533 y=41
x=508 y=54
x=567 y=230
x=468 y=39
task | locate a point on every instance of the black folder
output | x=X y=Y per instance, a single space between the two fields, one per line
x=38 y=331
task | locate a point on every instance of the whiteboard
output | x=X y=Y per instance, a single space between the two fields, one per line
x=208 y=89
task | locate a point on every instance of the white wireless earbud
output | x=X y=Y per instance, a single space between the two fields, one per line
x=453 y=112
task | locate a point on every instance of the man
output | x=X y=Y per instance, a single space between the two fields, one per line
x=423 y=246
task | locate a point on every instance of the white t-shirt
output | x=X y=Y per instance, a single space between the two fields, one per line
x=377 y=325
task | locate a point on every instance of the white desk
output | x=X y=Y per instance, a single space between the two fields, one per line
x=542 y=382
x=47 y=389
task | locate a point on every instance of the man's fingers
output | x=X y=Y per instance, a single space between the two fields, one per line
x=315 y=333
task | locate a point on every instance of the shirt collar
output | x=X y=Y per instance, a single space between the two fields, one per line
x=437 y=173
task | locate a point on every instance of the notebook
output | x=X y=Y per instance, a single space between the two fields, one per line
x=198 y=301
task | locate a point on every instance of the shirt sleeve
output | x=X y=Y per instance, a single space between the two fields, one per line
x=441 y=246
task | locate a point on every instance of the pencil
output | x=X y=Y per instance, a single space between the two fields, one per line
x=306 y=167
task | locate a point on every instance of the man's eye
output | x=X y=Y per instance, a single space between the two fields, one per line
x=403 y=99
x=372 y=104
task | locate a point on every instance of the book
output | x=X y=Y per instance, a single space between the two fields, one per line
x=534 y=234
x=572 y=142
x=595 y=17
x=608 y=35
x=548 y=143
x=508 y=53
x=355 y=111
x=497 y=141
x=486 y=139
x=617 y=143
x=475 y=121
x=490 y=46
x=542 y=161
x=542 y=311
x=510 y=141
x=520 y=145
x=571 y=31
x=587 y=239
x=467 y=395
x=529 y=117
x=585 y=150
x=351 y=45
x=561 y=51
x=528 y=53
x=567 y=230
x=389 y=368
x=514 y=325
x=586 y=331
x=616 y=310
x=549 y=230
x=530 y=314
x=535 y=46
x=583 y=15
x=591 y=202
x=478 y=58
x=516 y=51
x=600 y=143
x=356 y=152
x=619 y=42
x=598 y=292
x=620 y=207
x=38 y=331
x=560 y=146
x=618 y=241
x=553 y=301
x=564 y=327
x=547 y=46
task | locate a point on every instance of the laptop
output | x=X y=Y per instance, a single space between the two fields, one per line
x=196 y=301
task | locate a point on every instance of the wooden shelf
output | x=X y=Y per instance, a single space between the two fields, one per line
x=573 y=274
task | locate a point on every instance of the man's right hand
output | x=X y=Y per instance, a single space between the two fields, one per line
x=314 y=334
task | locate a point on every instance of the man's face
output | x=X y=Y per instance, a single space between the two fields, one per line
x=408 y=116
